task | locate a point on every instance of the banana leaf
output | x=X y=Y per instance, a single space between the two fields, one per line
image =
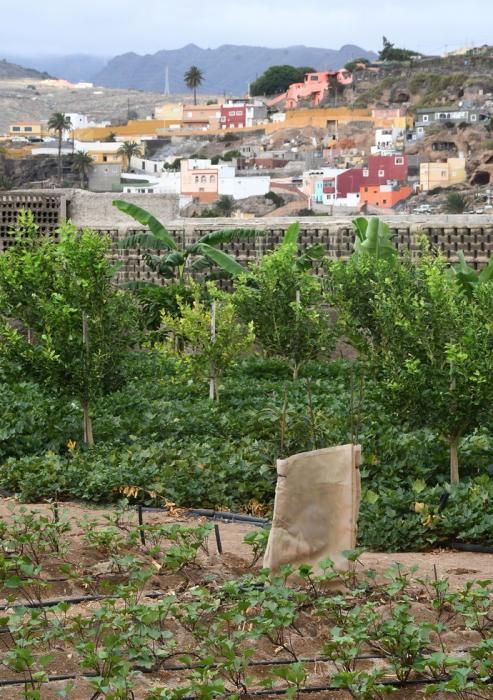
x=292 y=234
x=225 y=261
x=373 y=237
x=228 y=235
x=147 y=219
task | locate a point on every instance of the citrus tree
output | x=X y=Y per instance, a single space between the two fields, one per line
x=427 y=337
x=284 y=301
x=211 y=337
x=80 y=326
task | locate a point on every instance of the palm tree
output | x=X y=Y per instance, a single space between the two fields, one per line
x=82 y=164
x=127 y=150
x=59 y=122
x=175 y=263
x=194 y=79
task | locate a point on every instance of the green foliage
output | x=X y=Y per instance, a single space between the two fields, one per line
x=456 y=203
x=210 y=334
x=373 y=238
x=390 y=53
x=129 y=150
x=180 y=263
x=153 y=300
x=356 y=64
x=78 y=327
x=429 y=344
x=467 y=276
x=193 y=79
x=284 y=302
x=277 y=79
x=275 y=198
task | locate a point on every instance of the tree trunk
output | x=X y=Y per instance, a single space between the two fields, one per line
x=296 y=370
x=59 y=157
x=454 y=460
x=88 y=434
x=195 y=95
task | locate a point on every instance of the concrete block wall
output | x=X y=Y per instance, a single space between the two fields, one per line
x=471 y=234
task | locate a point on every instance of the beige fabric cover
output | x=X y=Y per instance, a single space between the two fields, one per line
x=316 y=508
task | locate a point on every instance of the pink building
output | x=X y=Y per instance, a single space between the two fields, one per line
x=315 y=88
x=199 y=180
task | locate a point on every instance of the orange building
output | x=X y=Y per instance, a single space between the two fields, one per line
x=384 y=196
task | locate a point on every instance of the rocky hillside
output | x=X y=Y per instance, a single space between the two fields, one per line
x=425 y=82
x=228 y=68
x=12 y=71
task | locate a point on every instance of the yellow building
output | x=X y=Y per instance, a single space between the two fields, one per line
x=27 y=129
x=170 y=112
x=432 y=175
x=134 y=130
x=322 y=118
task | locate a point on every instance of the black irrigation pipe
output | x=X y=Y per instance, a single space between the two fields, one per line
x=51 y=603
x=254 y=693
x=464 y=547
x=212 y=515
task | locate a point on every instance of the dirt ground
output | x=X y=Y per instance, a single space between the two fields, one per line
x=458 y=567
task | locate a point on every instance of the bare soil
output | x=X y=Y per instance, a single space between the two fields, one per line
x=212 y=570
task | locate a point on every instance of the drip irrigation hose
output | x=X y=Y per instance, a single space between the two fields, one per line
x=51 y=603
x=253 y=693
x=464 y=547
x=211 y=514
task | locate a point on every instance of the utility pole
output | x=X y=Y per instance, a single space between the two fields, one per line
x=167 y=91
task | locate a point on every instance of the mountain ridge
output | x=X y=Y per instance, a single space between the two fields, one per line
x=228 y=68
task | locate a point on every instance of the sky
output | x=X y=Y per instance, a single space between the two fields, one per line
x=111 y=27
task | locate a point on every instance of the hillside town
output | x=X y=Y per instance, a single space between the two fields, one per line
x=314 y=148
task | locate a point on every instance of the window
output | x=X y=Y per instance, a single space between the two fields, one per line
x=381 y=173
x=16 y=128
x=385 y=201
x=201 y=189
x=155 y=167
x=212 y=178
x=203 y=178
x=196 y=178
x=143 y=165
x=474 y=117
x=28 y=128
x=425 y=118
x=314 y=77
x=105 y=159
x=365 y=172
x=399 y=161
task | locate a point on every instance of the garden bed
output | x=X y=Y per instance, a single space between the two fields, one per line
x=220 y=606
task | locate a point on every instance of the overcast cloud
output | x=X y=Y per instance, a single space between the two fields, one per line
x=110 y=27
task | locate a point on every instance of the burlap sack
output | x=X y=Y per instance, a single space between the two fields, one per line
x=316 y=508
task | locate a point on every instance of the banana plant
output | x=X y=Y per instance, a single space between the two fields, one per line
x=373 y=238
x=467 y=277
x=180 y=262
x=303 y=260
